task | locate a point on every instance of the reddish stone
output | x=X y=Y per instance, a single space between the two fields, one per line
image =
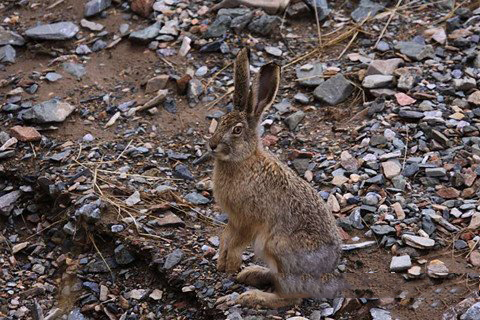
x=269 y=140
x=142 y=7
x=467 y=236
x=403 y=99
x=470 y=176
x=294 y=154
x=448 y=193
x=468 y=192
x=182 y=84
x=26 y=134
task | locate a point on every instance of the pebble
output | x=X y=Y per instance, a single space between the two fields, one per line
x=437 y=269
x=400 y=263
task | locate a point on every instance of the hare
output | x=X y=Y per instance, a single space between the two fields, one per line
x=268 y=204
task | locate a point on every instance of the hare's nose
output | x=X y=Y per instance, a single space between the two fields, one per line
x=213 y=145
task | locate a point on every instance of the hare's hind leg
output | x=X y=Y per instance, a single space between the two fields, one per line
x=257 y=298
x=256 y=276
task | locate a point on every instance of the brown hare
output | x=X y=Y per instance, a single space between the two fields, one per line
x=268 y=204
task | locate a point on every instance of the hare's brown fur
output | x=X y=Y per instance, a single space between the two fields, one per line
x=268 y=204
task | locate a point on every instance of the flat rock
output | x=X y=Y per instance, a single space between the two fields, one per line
x=7 y=54
x=294 y=119
x=157 y=83
x=53 y=76
x=75 y=69
x=448 y=193
x=10 y=38
x=123 y=256
x=53 y=31
x=391 y=168
x=437 y=269
x=90 y=25
x=473 y=313
x=380 y=314
x=310 y=75
x=196 y=198
x=400 y=263
x=173 y=259
x=265 y=25
x=49 y=111
x=384 y=67
x=403 y=99
x=136 y=294
x=335 y=90
x=366 y=8
x=147 y=34
x=382 y=229
x=170 y=220
x=474 y=98
x=377 y=81
x=418 y=242
x=414 y=50
x=475 y=221
x=133 y=199
x=8 y=200
x=26 y=134
x=94 y=7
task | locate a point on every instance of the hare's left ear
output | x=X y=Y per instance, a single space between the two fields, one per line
x=264 y=90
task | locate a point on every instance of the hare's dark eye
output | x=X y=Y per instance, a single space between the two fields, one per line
x=237 y=129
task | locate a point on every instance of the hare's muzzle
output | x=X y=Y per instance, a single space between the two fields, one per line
x=213 y=146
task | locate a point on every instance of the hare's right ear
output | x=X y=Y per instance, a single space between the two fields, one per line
x=242 y=79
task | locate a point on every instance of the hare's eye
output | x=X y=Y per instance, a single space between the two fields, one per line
x=237 y=130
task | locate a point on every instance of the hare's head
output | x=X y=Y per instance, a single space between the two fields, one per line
x=236 y=137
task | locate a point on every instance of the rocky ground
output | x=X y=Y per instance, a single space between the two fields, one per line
x=105 y=212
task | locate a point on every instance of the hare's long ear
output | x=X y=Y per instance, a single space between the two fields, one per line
x=264 y=90
x=242 y=79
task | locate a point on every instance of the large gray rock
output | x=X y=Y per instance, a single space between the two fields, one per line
x=147 y=34
x=310 y=75
x=473 y=313
x=123 y=256
x=49 y=111
x=7 y=201
x=219 y=27
x=7 y=54
x=173 y=259
x=265 y=25
x=365 y=8
x=334 y=90
x=294 y=119
x=322 y=8
x=380 y=314
x=11 y=38
x=415 y=50
x=94 y=7
x=53 y=31
x=75 y=69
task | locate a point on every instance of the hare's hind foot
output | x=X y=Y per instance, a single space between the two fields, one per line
x=256 y=276
x=257 y=298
